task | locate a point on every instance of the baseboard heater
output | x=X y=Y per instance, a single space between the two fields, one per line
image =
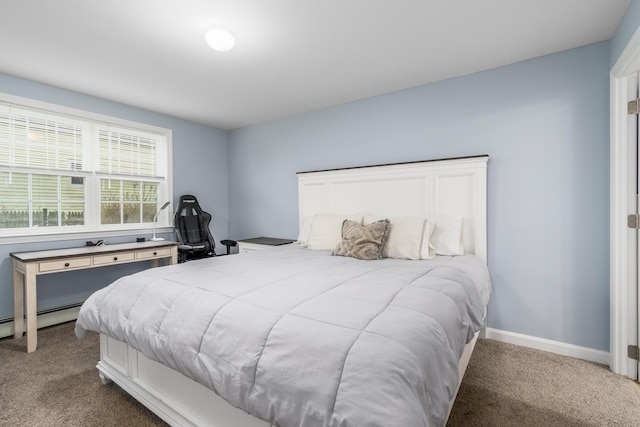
x=48 y=317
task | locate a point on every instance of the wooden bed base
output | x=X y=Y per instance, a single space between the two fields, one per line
x=179 y=400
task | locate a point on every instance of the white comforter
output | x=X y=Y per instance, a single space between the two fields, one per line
x=301 y=338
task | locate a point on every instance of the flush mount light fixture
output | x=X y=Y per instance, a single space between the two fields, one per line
x=219 y=39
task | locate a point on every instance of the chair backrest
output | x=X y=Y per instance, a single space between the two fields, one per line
x=192 y=227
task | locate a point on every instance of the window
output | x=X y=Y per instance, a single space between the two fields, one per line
x=132 y=155
x=65 y=173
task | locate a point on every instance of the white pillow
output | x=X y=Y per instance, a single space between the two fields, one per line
x=305 y=229
x=446 y=238
x=408 y=237
x=326 y=230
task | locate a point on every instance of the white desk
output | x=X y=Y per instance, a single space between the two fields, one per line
x=28 y=265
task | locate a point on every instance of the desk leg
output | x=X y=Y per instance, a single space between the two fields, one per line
x=18 y=301
x=32 y=306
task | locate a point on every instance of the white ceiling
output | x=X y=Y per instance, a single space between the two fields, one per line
x=291 y=56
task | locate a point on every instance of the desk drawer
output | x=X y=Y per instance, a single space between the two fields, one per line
x=65 y=264
x=153 y=253
x=113 y=258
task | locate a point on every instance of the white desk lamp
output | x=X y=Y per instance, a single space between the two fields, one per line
x=155 y=218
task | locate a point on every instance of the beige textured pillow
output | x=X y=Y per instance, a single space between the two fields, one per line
x=363 y=241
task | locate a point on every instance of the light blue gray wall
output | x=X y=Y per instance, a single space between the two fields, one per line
x=200 y=156
x=626 y=29
x=545 y=124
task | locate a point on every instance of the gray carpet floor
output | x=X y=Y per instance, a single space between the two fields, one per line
x=508 y=385
x=505 y=385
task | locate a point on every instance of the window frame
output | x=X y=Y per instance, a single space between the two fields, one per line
x=92 y=228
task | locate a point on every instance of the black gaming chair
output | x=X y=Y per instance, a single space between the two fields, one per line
x=192 y=229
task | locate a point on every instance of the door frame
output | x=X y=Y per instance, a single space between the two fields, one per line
x=623 y=261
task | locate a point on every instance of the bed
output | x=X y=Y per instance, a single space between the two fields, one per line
x=297 y=336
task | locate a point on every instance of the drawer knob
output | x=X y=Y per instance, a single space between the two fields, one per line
x=115 y=258
x=66 y=264
x=155 y=253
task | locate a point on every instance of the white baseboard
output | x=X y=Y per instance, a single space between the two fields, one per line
x=584 y=353
x=44 y=320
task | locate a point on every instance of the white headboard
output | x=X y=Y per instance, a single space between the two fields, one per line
x=427 y=188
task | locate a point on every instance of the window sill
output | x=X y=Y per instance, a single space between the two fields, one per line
x=84 y=235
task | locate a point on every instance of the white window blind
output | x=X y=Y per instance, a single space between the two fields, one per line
x=125 y=152
x=32 y=140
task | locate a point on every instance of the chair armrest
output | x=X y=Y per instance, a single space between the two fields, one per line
x=229 y=244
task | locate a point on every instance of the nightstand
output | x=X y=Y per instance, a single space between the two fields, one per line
x=260 y=243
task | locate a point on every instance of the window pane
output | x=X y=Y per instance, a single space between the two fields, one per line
x=110 y=206
x=150 y=201
x=150 y=192
x=72 y=214
x=14 y=214
x=72 y=201
x=13 y=186
x=149 y=211
x=110 y=213
x=131 y=191
x=109 y=190
x=131 y=213
x=44 y=187
x=132 y=209
x=14 y=200
x=45 y=214
x=71 y=188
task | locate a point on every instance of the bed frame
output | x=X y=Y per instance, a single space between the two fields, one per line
x=428 y=188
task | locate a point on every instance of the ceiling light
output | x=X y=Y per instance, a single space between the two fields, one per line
x=219 y=39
